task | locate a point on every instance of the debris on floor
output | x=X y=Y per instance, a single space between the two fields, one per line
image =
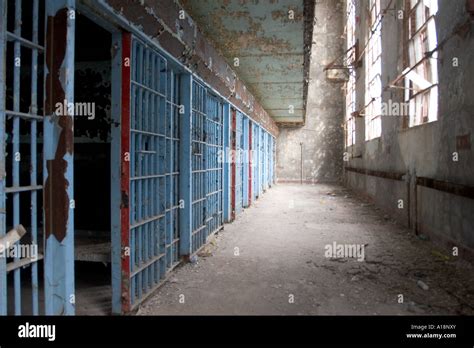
x=284 y=255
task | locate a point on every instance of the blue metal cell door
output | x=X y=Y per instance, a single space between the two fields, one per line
x=36 y=157
x=271 y=149
x=255 y=160
x=261 y=165
x=238 y=163
x=265 y=160
x=245 y=162
x=149 y=182
x=214 y=164
x=198 y=165
x=207 y=165
x=21 y=113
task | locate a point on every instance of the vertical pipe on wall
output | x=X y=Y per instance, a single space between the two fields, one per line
x=301 y=164
x=58 y=151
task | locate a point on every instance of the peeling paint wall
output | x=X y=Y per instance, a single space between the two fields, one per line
x=322 y=134
x=160 y=20
x=425 y=150
x=268 y=39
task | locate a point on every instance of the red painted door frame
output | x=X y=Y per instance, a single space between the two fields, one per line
x=125 y=171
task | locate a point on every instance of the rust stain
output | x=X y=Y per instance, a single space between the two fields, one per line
x=463 y=142
x=56 y=199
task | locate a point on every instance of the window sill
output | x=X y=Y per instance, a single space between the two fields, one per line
x=418 y=126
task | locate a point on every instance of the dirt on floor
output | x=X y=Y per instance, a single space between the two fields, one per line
x=275 y=259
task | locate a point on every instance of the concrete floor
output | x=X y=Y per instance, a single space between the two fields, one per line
x=281 y=241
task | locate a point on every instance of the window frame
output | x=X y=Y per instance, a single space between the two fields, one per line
x=351 y=83
x=373 y=78
x=421 y=78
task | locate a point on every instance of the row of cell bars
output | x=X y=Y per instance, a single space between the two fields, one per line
x=20 y=117
x=264 y=146
x=207 y=169
x=154 y=172
x=254 y=160
x=154 y=159
x=239 y=165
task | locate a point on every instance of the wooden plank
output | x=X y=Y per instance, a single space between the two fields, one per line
x=13 y=236
x=23 y=262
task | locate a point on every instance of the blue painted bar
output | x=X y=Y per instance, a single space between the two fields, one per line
x=245 y=162
x=264 y=160
x=214 y=166
x=186 y=188
x=33 y=156
x=261 y=166
x=136 y=123
x=238 y=165
x=59 y=220
x=16 y=146
x=255 y=160
x=115 y=161
x=226 y=162
x=153 y=171
x=3 y=40
x=198 y=170
x=260 y=160
x=174 y=165
x=272 y=161
x=33 y=117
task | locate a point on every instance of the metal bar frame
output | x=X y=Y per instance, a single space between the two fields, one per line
x=227 y=163
x=214 y=166
x=115 y=172
x=3 y=261
x=238 y=164
x=125 y=172
x=58 y=148
x=233 y=174
x=245 y=162
x=251 y=162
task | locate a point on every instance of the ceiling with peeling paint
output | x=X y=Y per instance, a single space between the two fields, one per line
x=265 y=47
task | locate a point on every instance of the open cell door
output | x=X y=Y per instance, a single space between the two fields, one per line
x=148 y=247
